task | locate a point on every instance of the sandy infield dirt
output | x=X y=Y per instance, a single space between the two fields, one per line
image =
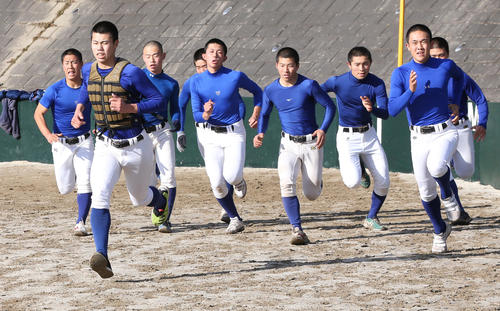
x=199 y=267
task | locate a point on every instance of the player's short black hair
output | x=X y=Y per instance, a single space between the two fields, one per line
x=288 y=52
x=359 y=51
x=417 y=27
x=217 y=41
x=105 y=27
x=72 y=51
x=156 y=44
x=198 y=55
x=440 y=43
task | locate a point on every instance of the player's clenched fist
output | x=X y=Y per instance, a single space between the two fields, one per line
x=413 y=81
x=208 y=108
x=257 y=140
x=118 y=104
x=367 y=103
x=78 y=119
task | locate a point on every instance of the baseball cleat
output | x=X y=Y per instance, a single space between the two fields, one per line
x=159 y=215
x=241 y=189
x=464 y=219
x=101 y=265
x=235 y=226
x=224 y=216
x=451 y=208
x=365 y=178
x=439 y=242
x=299 y=237
x=165 y=227
x=79 y=229
x=373 y=223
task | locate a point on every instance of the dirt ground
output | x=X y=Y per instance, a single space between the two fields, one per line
x=199 y=267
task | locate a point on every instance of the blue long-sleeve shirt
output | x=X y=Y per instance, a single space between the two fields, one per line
x=222 y=88
x=141 y=90
x=474 y=92
x=169 y=89
x=185 y=96
x=62 y=100
x=348 y=90
x=296 y=106
x=429 y=103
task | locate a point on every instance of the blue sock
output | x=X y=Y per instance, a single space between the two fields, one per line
x=227 y=204
x=377 y=201
x=433 y=209
x=158 y=201
x=84 y=200
x=171 y=200
x=230 y=188
x=444 y=184
x=292 y=209
x=454 y=189
x=101 y=221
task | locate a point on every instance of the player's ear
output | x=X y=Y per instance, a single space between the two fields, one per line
x=163 y=56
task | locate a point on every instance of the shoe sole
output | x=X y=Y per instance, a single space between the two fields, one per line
x=244 y=192
x=80 y=233
x=235 y=231
x=164 y=230
x=99 y=264
x=297 y=241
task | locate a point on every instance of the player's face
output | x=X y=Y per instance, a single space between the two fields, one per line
x=418 y=45
x=153 y=58
x=287 y=69
x=72 y=67
x=214 y=56
x=360 y=67
x=200 y=65
x=439 y=53
x=104 y=48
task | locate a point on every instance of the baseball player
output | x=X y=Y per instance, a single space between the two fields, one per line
x=157 y=126
x=463 y=159
x=215 y=103
x=200 y=65
x=421 y=86
x=118 y=92
x=360 y=95
x=72 y=149
x=295 y=98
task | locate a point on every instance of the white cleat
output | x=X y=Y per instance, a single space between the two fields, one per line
x=240 y=189
x=235 y=226
x=451 y=208
x=439 y=243
x=79 y=229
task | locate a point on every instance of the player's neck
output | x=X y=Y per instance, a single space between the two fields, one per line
x=110 y=63
x=74 y=83
x=289 y=82
x=213 y=70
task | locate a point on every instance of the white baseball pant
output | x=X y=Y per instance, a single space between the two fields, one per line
x=164 y=152
x=463 y=158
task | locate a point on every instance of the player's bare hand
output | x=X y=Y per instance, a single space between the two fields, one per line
x=53 y=137
x=252 y=122
x=208 y=108
x=116 y=103
x=77 y=119
x=258 y=140
x=455 y=113
x=479 y=133
x=320 y=138
x=413 y=81
x=367 y=103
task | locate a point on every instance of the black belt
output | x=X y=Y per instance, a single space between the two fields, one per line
x=427 y=128
x=215 y=128
x=360 y=129
x=153 y=128
x=121 y=143
x=74 y=140
x=296 y=139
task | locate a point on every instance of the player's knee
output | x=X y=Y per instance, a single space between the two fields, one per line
x=351 y=183
x=438 y=168
x=381 y=187
x=288 y=190
x=220 y=191
x=465 y=173
x=312 y=193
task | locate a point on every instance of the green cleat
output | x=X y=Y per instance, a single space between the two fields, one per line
x=159 y=216
x=373 y=223
x=365 y=178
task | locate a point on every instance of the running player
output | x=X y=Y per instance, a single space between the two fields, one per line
x=118 y=92
x=72 y=149
x=421 y=86
x=201 y=65
x=359 y=95
x=463 y=159
x=157 y=126
x=295 y=97
x=215 y=103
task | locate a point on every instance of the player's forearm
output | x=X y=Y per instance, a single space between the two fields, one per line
x=397 y=102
